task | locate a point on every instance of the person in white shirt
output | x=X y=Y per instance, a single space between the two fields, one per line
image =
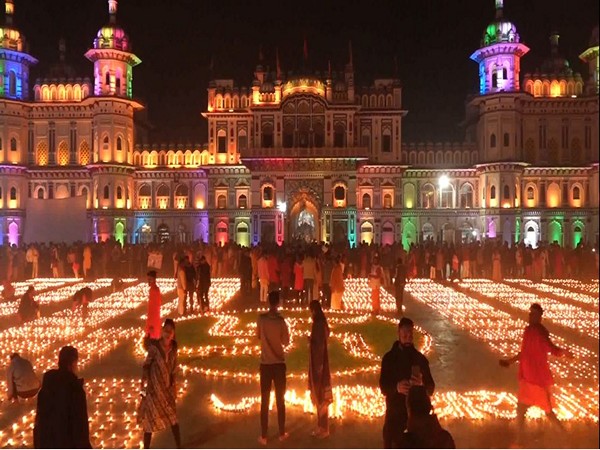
x=21 y=380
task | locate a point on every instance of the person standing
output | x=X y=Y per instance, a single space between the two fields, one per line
x=400 y=280
x=375 y=280
x=157 y=409
x=203 y=284
x=190 y=283
x=245 y=271
x=298 y=279
x=154 y=303
x=319 y=377
x=402 y=367
x=535 y=377
x=87 y=261
x=181 y=287
x=21 y=380
x=336 y=282
x=273 y=333
x=327 y=268
x=61 y=419
x=263 y=276
x=309 y=272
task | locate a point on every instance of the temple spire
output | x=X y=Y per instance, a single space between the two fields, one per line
x=112 y=11
x=9 y=8
x=499 y=8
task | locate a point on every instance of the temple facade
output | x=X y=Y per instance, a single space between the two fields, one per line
x=305 y=154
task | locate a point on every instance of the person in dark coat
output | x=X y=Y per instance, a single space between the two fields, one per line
x=424 y=429
x=61 y=419
x=203 y=285
x=402 y=367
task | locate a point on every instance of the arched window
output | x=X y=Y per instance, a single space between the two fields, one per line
x=427 y=196
x=106 y=192
x=339 y=193
x=221 y=201
x=366 y=201
x=268 y=193
x=387 y=201
x=63 y=156
x=242 y=201
x=42 y=153
x=492 y=140
x=506 y=139
x=13 y=144
x=118 y=85
x=119 y=144
x=84 y=153
x=494 y=79
x=119 y=193
x=530 y=193
x=466 y=196
x=506 y=192
x=12 y=84
x=493 y=193
x=107 y=78
x=576 y=193
x=105 y=143
x=504 y=73
x=13 y=193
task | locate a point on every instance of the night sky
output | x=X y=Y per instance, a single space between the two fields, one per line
x=176 y=40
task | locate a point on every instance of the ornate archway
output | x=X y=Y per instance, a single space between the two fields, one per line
x=304 y=220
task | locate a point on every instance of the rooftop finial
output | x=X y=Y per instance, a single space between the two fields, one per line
x=499 y=7
x=10 y=10
x=112 y=10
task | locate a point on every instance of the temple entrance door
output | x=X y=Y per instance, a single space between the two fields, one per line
x=304 y=220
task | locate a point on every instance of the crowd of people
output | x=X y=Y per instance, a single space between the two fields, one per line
x=429 y=259
x=305 y=274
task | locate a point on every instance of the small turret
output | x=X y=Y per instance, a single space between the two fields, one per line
x=499 y=57
x=14 y=59
x=112 y=58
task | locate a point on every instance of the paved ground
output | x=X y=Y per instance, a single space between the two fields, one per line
x=458 y=362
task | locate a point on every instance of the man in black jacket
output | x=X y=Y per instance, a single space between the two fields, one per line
x=402 y=367
x=61 y=419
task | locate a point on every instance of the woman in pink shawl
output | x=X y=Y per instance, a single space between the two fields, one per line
x=319 y=377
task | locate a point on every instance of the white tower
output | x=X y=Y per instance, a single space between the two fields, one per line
x=499 y=57
x=113 y=59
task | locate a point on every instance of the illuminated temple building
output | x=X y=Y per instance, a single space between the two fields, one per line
x=308 y=155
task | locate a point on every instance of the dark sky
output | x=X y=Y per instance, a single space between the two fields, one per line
x=176 y=40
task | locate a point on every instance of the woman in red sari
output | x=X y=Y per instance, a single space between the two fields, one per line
x=319 y=377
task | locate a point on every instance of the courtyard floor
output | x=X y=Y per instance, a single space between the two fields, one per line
x=463 y=329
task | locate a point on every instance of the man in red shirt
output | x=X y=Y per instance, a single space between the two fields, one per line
x=535 y=378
